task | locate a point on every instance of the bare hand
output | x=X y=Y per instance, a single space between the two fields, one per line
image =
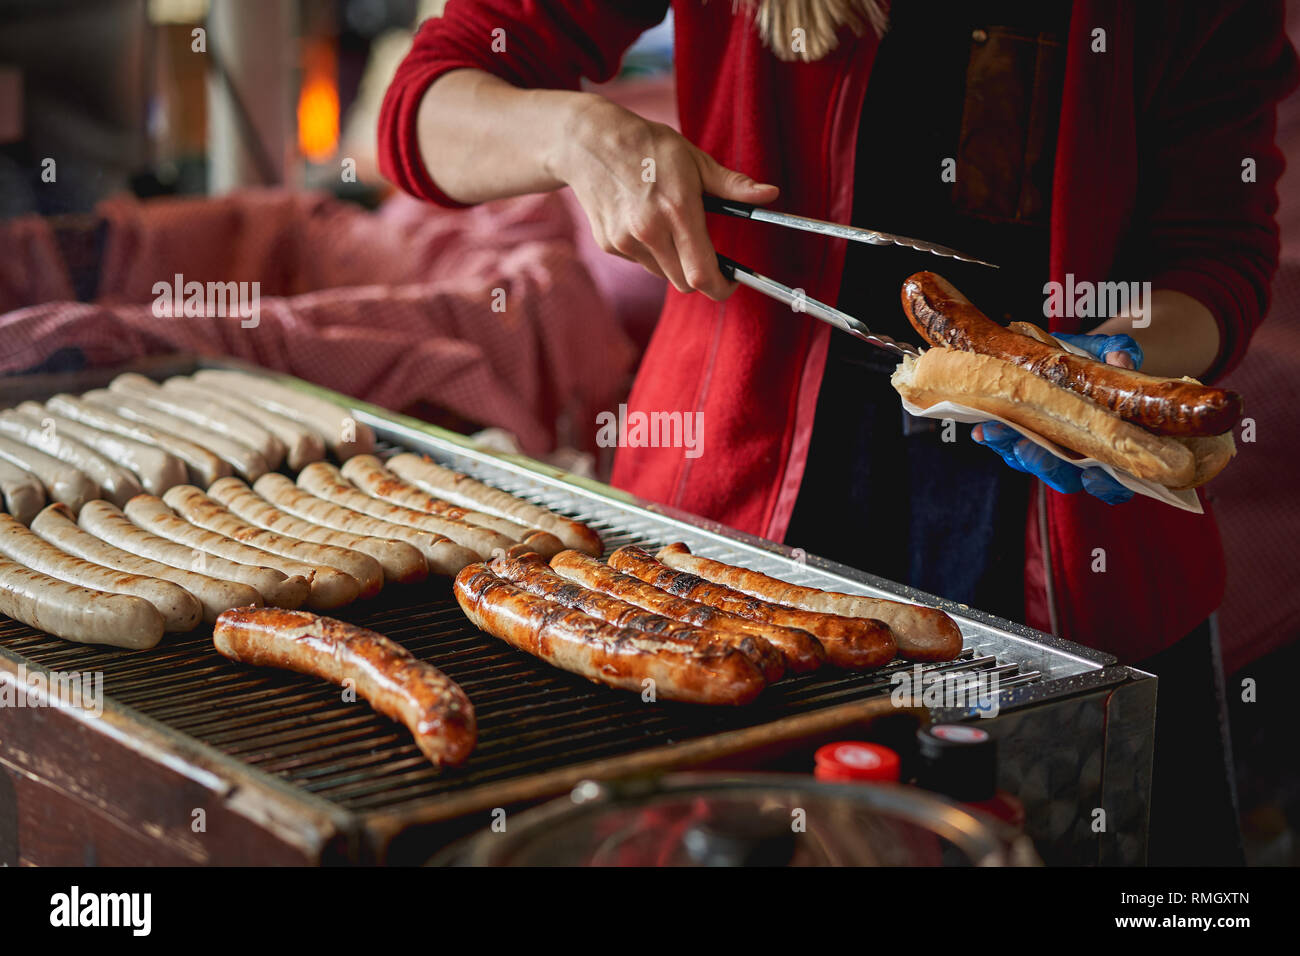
x=640 y=184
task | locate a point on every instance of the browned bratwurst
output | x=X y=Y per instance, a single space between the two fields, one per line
x=1165 y=406
x=417 y=694
x=802 y=651
x=707 y=672
x=922 y=633
x=851 y=642
x=535 y=576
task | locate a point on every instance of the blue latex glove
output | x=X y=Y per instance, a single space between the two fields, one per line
x=1023 y=455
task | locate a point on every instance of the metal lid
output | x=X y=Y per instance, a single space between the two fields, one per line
x=719 y=819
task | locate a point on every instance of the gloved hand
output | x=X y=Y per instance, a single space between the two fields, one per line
x=1023 y=455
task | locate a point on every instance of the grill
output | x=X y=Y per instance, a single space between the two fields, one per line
x=297 y=742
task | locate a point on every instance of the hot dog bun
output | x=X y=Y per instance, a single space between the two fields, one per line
x=1164 y=406
x=1070 y=420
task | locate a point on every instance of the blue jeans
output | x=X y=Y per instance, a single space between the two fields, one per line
x=900 y=501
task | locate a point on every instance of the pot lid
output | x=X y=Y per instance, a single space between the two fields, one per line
x=715 y=819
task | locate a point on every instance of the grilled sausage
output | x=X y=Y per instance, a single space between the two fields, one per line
x=179 y=608
x=802 y=651
x=241 y=458
x=369 y=474
x=531 y=572
x=198 y=509
x=1166 y=406
x=156 y=469
x=344 y=435
x=57 y=525
x=24 y=495
x=431 y=705
x=209 y=415
x=442 y=555
x=922 y=633
x=465 y=491
x=61 y=481
x=324 y=481
x=400 y=561
x=204 y=467
x=302 y=445
x=105 y=521
x=153 y=515
x=75 y=613
x=850 y=642
x=329 y=588
x=705 y=672
x=116 y=484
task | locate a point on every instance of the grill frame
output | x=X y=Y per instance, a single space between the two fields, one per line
x=322 y=828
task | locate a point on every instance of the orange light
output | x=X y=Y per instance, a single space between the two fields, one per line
x=318 y=107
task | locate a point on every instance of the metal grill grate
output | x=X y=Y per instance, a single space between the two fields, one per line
x=532 y=718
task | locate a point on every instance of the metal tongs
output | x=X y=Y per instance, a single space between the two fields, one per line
x=800 y=302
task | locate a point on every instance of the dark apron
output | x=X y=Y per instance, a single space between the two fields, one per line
x=978 y=83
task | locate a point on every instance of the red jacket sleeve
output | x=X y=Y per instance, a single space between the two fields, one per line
x=1212 y=234
x=528 y=43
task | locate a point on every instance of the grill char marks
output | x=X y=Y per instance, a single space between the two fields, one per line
x=849 y=642
x=1165 y=406
x=534 y=575
x=605 y=653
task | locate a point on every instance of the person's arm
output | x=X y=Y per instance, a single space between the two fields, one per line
x=639 y=182
x=1182 y=337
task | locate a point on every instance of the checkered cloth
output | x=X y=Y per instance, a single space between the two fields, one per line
x=395 y=307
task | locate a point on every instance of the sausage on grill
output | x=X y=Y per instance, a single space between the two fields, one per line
x=76 y=613
x=198 y=509
x=156 y=469
x=801 y=650
x=324 y=481
x=535 y=576
x=115 y=483
x=702 y=673
x=205 y=414
x=431 y=705
x=105 y=521
x=179 y=608
x=369 y=474
x=465 y=491
x=327 y=588
x=302 y=445
x=241 y=458
x=853 y=643
x=400 y=561
x=922 y=633
x=61 y=481
x=442 y=555
x=23 y=493
x=57 y=525
x=203 y=466
x=344 y=434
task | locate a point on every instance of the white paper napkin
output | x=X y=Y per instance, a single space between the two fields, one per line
x=1185 y=500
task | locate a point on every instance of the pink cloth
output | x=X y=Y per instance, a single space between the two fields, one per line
x=31 y=266
x=394 y=307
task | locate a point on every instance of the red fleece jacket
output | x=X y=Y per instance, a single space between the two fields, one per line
x=1153 y=135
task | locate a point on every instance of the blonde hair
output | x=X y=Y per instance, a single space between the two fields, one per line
x=808 y=29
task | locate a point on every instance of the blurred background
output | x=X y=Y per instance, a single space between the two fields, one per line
x=234 y=140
